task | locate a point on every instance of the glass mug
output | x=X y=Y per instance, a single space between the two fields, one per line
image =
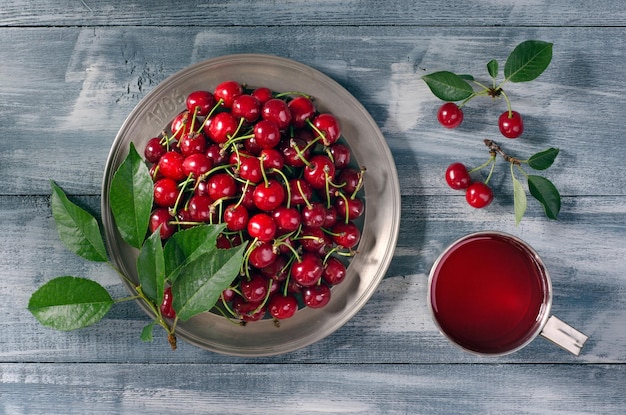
x=490 y=294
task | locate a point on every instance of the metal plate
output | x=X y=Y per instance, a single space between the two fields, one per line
x=381 y=190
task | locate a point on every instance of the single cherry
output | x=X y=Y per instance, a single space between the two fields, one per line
x=268 y=196
x=277 y=111
x=282 y=307
x=200 y=102
x=320 y=170
x=154 y=150
x=316 y=296
x=334 y=271
x=287 y=219
x=346 y=235
x=227 y=91
x=302 y=110
x=236 y=218
x=328 y=125
x=450 y=115
x=262 y=226
x=262 y=255
x=511 y=124
x=171 y=165
x=478 y=195
x=266 y=134
x=161 y=217
x=255 y=289
x=165 y=192
x=196 y=165
x=457 y=176
x=307 y=271
x=166 y=305
x=221 y=127
x=247 y=107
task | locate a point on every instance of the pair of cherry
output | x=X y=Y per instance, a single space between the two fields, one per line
x=477 y=194
x=510 y=122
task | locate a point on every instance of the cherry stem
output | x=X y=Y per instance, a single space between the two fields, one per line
x=287 y=188
x=317 y=130
x=206 y=119
x=508 y=103
x=296 y=93
x=308 y=204
x=496 y=149
x=183 y=187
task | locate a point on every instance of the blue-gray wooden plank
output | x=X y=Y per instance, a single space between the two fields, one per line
x=314 y=13
x=260 y=389
x=64 y=92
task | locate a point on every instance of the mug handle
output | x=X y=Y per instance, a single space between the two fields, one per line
x=564 y=335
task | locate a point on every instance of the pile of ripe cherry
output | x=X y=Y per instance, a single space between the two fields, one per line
x=273 y=169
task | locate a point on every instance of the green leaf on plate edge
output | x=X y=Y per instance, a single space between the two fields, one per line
x=131 y=196
x=151 y=267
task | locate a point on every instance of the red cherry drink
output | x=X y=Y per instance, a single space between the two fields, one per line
x=488 y=293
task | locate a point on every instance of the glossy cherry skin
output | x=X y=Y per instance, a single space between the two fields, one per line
x=295 y=151
x=266 y=134
x=334 y=271
x=478 y=195
x=450 y=115
x=248 y=311
x=221 y=186
x=165 y=192
x=200 y=208
x=457 y=176
x=282 y=307
x=302 y=110
x=301 y=192
x=166 y=305
x=255 y=289
x=268 y=196
x=196 y=165
x=192 y=143
x=236 y=217
x=171 y=165
x=221 y=127
x=315 y=240
x=247 y=107
x=183 y=124
x=316 y=296
x=201 y=102
x=511 y=125
x=277 y=111
x=154 y=150
x=328 y=125
x=313 y=214
x=320 y=170
x=346 y=235
x=262 y=255
x=287 y=219
x=161 y=217
x=349 y=179
x=308 y=270
x=348 y=208
x=263 y=94
x=262 y=227
x=341 y=155
x=227 y=91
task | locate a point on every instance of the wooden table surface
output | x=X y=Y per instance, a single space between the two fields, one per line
x=70 y=73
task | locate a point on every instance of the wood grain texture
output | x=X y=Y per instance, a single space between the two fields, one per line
x=314 y=13
x=104 y=72
x=310 y=389
x=71 y=71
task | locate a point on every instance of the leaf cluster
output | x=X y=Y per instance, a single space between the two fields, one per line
x=189 y=261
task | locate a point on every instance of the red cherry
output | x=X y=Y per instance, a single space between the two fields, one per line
x=315 y=240
x=262 y=255
x=302 y=110
x=268 y=196
x=316 y=296
x=161 y=217
x=266 y=134
x=248 y=311
x=341 y=155
x=349 y=208
x=313 y=214
x=200 y=208
x=220 y=127
x=282 y=307
x=328 y=125
x=334 y=271
x=457 y=176
x=227 y=91
x=450 y=115
x=262 y=226
x=165 y=192
x=307 y=271
x=196 y=165
x=171 y=165
x=182 y=124
x=236 y=217
x=255 y=289
x=166 y=305
x=262 y=94
x=294 y=151
x=277 y=111
x=511 y=125
x=478 y=195
x=287 y=219
x=346 y=235
x=250 y=169
x=192 y=143
x=154 y=150
x=201 y=102
x=319 y=170
x=271 y=159
x=221 y=186
x=247 y=107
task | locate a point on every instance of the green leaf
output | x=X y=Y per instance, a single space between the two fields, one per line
x=448 y=86
x=519 y=200
x=69 y=303
x=151 y=268
x=543 y=159
x=492 y=68
x=546 y=193
x=78 y=229
x=528 y=60
x=187 y=245
x=131 y=198
x=198 y=288
x=146 y=333
x=467 y=77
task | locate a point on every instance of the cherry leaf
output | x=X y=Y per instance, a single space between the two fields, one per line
x=519 y=200
x=131 y=196
x=187 y=245
x=146 y=332
x=202 y=281
x=546 y=193
x=151 y=267
x=492 y=68
x=69 y=303
x=543 y=159
x=448 y=86
x=77 y=228
x=528 y=60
